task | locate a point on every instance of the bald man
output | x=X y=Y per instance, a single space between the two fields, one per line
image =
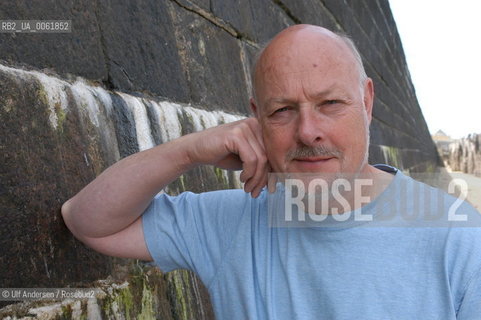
x=313 y=106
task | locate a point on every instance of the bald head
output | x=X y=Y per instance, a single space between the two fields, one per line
x=303 y=46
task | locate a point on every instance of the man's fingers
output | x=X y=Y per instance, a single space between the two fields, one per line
x=249 y=162
x=244 y=139
x=271 y=182
x=258 y=188
x=259 y=177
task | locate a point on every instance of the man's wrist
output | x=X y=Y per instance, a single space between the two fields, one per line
x=180 y=154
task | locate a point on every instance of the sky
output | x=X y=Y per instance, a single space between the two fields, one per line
x=442 y=44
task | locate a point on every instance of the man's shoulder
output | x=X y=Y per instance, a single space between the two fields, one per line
x=452 y=201
x=420 y=204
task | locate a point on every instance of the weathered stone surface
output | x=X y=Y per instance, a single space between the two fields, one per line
x=204 y=4
x=312 y=12
x=141 y=292
x=52 y=150
x=41 y=168
x=139 y=47
x=256 y=20
x=211 y=60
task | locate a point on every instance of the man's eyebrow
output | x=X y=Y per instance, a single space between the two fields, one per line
x=317 y=95
x=280 y=101
x=330 y=91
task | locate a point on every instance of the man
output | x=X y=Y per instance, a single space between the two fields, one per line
x=312 y=106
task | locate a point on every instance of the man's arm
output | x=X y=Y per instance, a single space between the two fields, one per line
x=106 y=214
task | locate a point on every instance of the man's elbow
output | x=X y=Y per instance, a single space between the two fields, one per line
x=65 y=211
x=65 y=208
x=67 y=216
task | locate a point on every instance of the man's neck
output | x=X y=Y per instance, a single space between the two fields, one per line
x=353 y=192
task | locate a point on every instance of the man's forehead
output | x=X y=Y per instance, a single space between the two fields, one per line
x=307 y=58
x=301 y=65
x=318 y=74
x=294 y=55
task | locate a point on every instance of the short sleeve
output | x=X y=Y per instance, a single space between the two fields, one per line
x=193 y=231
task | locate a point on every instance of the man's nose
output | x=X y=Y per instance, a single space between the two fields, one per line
x=310 y=130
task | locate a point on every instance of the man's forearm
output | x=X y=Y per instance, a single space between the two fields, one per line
x=122 y=192
x=118 y=196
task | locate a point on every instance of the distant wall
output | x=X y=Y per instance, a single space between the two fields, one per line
x=465 y=155
x=133 y=74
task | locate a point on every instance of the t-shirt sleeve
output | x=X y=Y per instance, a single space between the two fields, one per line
x=193 y=231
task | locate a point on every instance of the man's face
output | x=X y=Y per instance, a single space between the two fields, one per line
x=312 y=108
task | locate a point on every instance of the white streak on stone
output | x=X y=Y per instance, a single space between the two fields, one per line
x=202 y=119
x=54 y=90
x=84 y=96
x=107 y=129
x=93 y=310
x=105 y=98
x=77 y=310
x=385 y=153
x=56 y=95
x=391 y=156
x=47 y=312
x=225 y=175
x=169 y=120
x=12 y=71
x=237 y=181
x=159 y=113
x=142 y=123
x=228 y=117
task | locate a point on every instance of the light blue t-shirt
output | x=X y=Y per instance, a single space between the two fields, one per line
x=347 y=270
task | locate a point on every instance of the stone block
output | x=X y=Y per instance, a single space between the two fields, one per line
x=312 y=12
x=257 y=20
x=79 y=52
x=211 y=61
x=140 y=48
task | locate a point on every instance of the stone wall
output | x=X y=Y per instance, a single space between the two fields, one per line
x=133 y=74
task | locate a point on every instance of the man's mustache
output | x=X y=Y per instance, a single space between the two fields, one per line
x=319 y=151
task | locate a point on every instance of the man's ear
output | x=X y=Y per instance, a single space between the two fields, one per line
x=254 y=108
x=369 y=97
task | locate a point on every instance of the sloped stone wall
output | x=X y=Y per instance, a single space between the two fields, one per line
x=133 y=74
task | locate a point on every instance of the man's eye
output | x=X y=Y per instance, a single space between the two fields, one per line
x=281 y=109
x=331 y=101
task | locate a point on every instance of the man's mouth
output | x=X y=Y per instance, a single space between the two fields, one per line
x=313 y=159
x=313 y=164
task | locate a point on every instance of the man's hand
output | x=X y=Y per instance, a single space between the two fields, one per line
x=233 y=146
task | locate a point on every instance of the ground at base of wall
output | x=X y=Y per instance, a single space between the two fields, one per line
x=144 y=293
